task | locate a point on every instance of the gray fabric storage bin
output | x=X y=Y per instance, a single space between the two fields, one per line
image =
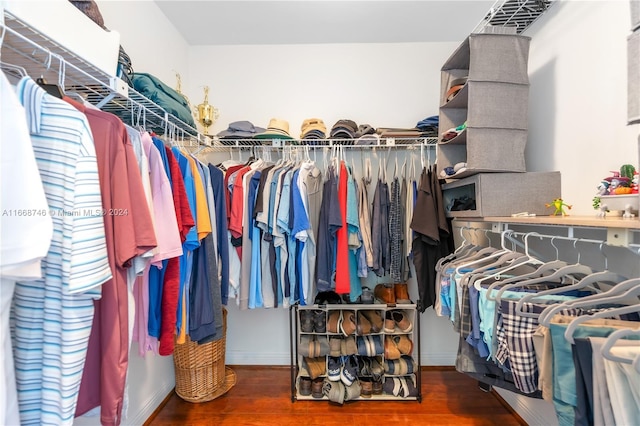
x=499 y=57
x=503 y=194
x=486 y=150
x=496 y=149
x=498 y=105
x=635 y=14
x=633 y=78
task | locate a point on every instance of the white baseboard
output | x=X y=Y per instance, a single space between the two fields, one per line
x=536 y=412
x=138 y=417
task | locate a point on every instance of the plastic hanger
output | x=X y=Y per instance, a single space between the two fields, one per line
x=542 y=269
x=493 y=256
x=568 y=271
x=547 y=315
x=621 y=298
x=611 y=341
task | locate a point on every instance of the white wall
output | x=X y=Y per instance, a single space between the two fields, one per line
x=578 y=76
x=148 y=37
x=384 y=85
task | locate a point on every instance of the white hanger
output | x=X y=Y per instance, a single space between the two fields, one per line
x=492 y=256
x=561 y=273
x=621 y=298
x=547 y=315
x=611 y=341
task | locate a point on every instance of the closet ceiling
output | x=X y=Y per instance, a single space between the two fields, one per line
x=213 y=22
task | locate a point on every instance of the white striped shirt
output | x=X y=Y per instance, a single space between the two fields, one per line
x=52 y=317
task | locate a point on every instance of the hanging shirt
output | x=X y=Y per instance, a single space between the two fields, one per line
x=353 y=238
x=364 y=216
x=217 y=184
x=342 y=253
x=171 y=272
x=191 y=243
x=329 y=222
x=255 y=274
x=24 y=239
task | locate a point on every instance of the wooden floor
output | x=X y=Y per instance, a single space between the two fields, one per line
x=262 y=396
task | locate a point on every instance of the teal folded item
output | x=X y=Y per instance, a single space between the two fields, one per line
x=164 y=96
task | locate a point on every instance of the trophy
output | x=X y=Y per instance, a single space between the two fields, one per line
x=207 y=114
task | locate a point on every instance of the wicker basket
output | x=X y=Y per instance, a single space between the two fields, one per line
x=200 y=369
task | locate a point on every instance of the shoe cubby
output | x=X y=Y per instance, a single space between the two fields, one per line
x=356 y=351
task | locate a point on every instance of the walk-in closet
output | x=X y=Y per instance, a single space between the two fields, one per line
x=320 y=212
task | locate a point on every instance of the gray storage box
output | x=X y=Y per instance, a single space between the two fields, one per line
x=503 y=194
x=492 y=150
x=498 y=105
x=499 y=57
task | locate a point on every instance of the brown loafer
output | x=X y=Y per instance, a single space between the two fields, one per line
x=333 y=323
x=389 y=323
x=401 y=291
x=404 y=344
x=364 y=325
x=375 y=319
x=384 y=294
x=391 y=351
x=348 y=324
x=402 y=321
x=316 y=366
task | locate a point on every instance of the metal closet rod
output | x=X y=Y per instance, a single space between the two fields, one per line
x=633 y=247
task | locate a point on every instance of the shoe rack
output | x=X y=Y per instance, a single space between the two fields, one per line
x=347 y=352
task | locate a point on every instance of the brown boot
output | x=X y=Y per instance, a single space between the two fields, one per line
x=384 y=294
x=402 y=293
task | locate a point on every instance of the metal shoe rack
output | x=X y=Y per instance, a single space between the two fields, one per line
x=295 y=333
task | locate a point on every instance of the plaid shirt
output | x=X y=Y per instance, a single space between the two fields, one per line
x=515 y=343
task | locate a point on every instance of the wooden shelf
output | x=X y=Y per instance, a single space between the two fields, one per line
x=586 y=221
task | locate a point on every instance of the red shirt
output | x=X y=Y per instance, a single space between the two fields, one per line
x=342 y=255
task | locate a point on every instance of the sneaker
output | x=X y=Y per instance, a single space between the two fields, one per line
x=366 y=388
x=317 y=386
x=352 y=391
x=348 y=324
x=333 y=323
x=319 y=321
x=349 y=371
x=334 y=366
x=334 y=391
x=306 y=321
x=304 y=386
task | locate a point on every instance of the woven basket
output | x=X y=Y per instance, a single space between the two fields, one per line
x=200 y=369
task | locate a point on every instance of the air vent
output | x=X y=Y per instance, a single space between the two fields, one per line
x=513 y=15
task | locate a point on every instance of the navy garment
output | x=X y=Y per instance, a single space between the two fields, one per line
x=217 y=183
x=212 y=269
x=380 y=230
x=329 y=223
x=201 y=318
x=582 y=358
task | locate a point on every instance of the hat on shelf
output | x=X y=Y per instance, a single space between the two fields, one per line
x=344 y=129
x=365 y=129
x=240 y=130
x=456 y=85
x=368 y=139
x=278 y=129
x=313 y=128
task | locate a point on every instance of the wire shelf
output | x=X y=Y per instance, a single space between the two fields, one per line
x=518 y=14
x=41 y=56
x=324 y=143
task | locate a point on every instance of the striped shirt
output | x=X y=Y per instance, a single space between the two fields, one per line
x=52 y=317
